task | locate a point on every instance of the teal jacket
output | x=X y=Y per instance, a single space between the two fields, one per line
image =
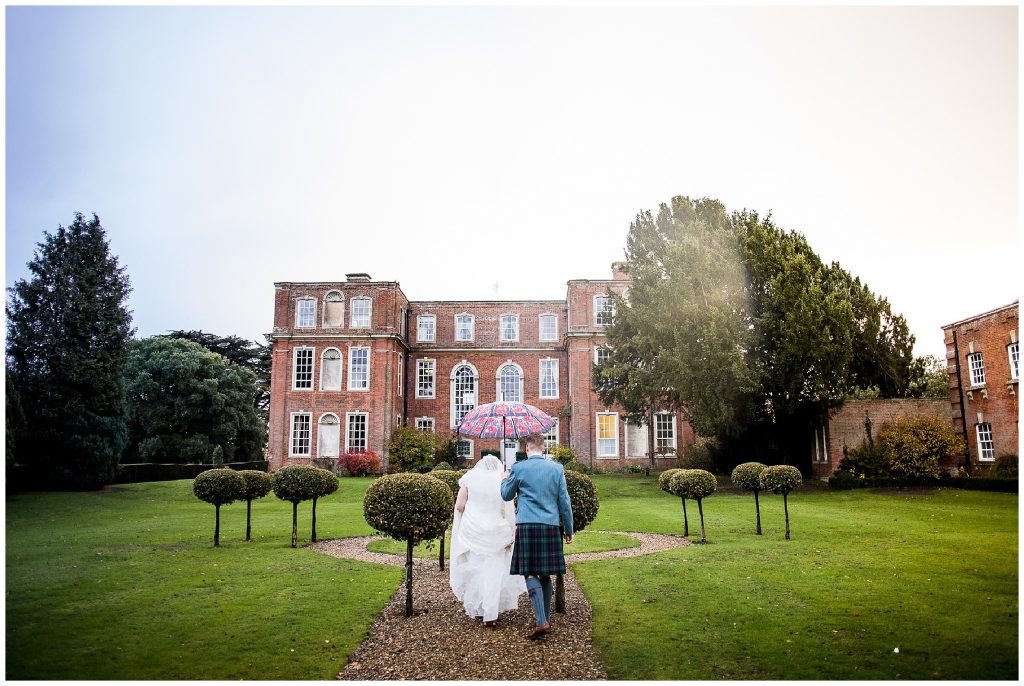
x=543 y=496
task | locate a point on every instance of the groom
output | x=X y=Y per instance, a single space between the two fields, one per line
x=543 y=502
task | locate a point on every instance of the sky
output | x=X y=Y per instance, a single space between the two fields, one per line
x=484 y=152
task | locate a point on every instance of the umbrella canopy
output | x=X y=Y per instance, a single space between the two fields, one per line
x=505 y=420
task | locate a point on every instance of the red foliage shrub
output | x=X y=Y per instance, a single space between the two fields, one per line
x=360 y=464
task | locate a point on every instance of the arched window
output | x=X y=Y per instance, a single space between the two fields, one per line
x=464 y=382
x=330 y=370
x=334 y=309
x=510 y=383
x=328 y=432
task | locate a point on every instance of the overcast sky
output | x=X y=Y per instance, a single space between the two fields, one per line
x=469 y=151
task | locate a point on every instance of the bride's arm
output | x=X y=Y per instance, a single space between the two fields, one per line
x=460 y=501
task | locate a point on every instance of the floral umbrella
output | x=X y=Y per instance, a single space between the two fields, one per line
x=505 y=420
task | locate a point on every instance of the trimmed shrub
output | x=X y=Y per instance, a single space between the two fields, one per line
x=219 y=487
x=442 y=466
x=451 y=479
x=257 y=485
x=294 y=484
x=578 y=467
x=360 y=464
x=634 y=469
x=583 y=498
x=781 y=478
x=411 y=450
x=410 y=508
x=919 y=447
x=696 y=484
x=1006 y=466
x=747 y=477
x=562 y=454
x=327 y=484
x=843 y=480
x=153 y=471
x=665 y=477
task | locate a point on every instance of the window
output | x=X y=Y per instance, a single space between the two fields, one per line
x=424 y=423
x=302 y=379
x=636 y=440
x=305 y=313
x=355 y=432
x=549 y=378
x=361 y=313
x=426 y=325
x=463 y=399
x=607 y=434
x=401 y=369
x=548 y=327
x=820 y=447
x=464 y=327
x=602 y=353
x=334 y=309
x=1011 y=352
x=551 y=438
x=510 y=383
x=401 y=322
x=464 y=449
x=424 y=378
x=358 y=369
x=300 y=434
x=330 y=370
x=603 y=310
x=665 y=433
x=328 y=433
x=977 y=366
x=986 y=448
x=510 y=327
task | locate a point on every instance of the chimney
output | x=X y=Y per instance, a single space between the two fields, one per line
x=620 y=271
x=357 y=277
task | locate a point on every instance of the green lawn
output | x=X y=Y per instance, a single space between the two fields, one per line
x=127 y=585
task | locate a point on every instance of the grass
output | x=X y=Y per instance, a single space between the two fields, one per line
x=582 y=542
x=127 y=585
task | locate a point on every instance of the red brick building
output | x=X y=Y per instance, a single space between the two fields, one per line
x=984 y=371
x=354 y=359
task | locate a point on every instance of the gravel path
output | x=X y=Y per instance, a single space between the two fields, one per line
x=441 y=643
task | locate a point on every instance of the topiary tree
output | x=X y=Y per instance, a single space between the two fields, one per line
x=294 y=484
x=410 y=508
x=669 y=488
x=451 y=480
x=257 y=485
x=781 y=478
x=747 y=477
x=665 y=477
x=697 y=484
x=327 y=484
x=442 y=467
x=584 y=502
x=219 y=487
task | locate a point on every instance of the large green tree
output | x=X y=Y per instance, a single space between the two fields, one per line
x=750 y=334
x=189 y=405
x=68 y=330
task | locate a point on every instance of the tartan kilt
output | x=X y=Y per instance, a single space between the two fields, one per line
x=537 y=551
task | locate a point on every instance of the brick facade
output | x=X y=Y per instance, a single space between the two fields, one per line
x=393 y=394
x=984 y=382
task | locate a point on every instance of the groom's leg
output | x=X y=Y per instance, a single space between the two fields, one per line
x=545 y=585
x=537 y=598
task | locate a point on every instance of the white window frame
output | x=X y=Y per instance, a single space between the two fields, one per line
x=295 y=368
x=341 y=318
x=509 y=328
x=320 y=434
x=401 y=368
x=976 y=366
x=597 y=435
x=341 y=368
x=597 y=352
x=349 y=416
x=520 y=390
x=551 y=437
x=1013 y=356
x=600 y=310
x=296 y=439
x=553 y=362
x=540 y=327
x=472 y=328
x=658 y=438
x=421 y=334
x=305 y=312
x=468 y=443
x=453 y=419
x=353 y=306
x=425 y=424
x=985 y=454
x=352 y=368
x=421 y=365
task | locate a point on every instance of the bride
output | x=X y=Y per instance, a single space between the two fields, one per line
x=481 y=544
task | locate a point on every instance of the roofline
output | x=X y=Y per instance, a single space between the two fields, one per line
x=983 y=314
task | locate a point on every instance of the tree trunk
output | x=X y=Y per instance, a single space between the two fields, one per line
x=559 y=594
x=686 y=522
x=216 y=529
x=650 y=438
x=757 y=506
x=440 y=555
x=700 y=508
x=248 y=520
x=785 y=506
x=295 y=525
x=408 y=579
x=313 y=535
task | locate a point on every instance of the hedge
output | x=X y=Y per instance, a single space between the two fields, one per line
x=147 y=471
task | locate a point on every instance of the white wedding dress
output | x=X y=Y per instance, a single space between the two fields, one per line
x=480 y=552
